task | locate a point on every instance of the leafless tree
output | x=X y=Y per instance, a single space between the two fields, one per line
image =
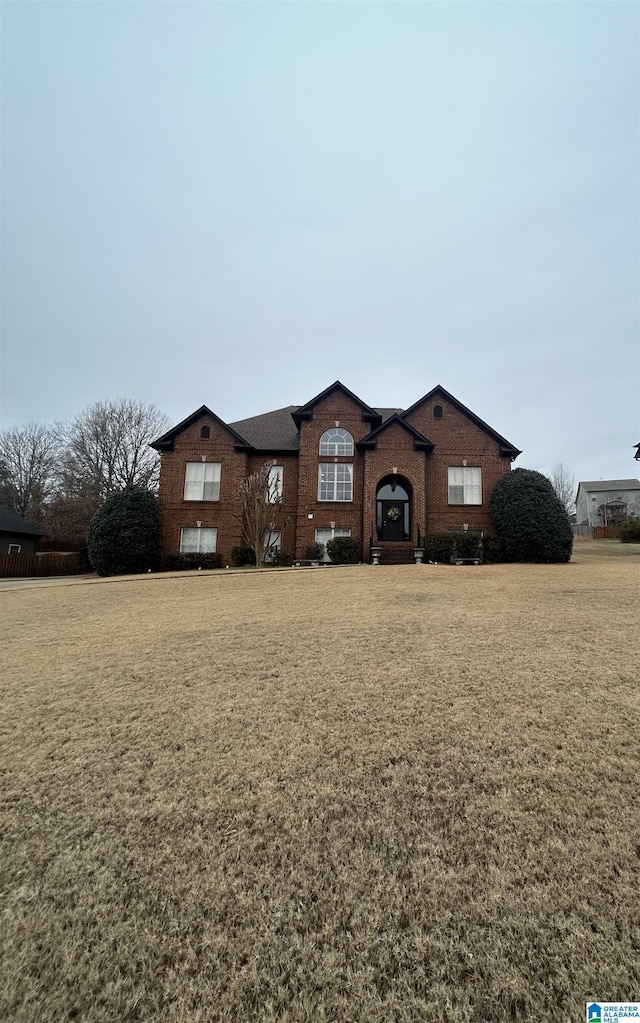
x=564 y=484
x=107 y=448
x=260 y=496
x=29 y=458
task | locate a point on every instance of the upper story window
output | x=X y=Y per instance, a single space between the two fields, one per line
x=335 y=481
x=274 y=487
x=336 y=441
x=205 y=432
x=202 y=481
x=465 y=485
x=437 y=411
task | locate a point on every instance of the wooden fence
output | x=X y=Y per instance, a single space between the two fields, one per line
x=27 y=565
x=606 y=532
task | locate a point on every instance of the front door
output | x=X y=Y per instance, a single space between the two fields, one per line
x=393 y=520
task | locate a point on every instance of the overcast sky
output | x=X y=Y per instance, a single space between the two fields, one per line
x=237 y=203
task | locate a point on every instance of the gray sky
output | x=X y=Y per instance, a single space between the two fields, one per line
x=237 y=203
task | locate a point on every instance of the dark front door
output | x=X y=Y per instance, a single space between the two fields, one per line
x=393 y=520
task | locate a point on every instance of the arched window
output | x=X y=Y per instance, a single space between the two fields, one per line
x=336 y=442
x=205 y=432
x=437 y=411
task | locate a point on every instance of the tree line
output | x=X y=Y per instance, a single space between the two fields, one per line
x=59 y=475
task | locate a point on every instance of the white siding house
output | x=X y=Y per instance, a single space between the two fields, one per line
x=607 y=502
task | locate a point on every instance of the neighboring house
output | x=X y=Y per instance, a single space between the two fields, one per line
x=607 y=502
x=17 y=535
x=344 y=469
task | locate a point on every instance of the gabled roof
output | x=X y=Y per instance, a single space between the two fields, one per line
x=506 y=448
x=600 y=486
x=12 y=522
x=420 y=442
x=167 y=441
x=306 y=411
x=272 y=431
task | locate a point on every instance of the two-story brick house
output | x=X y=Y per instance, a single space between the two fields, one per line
x=379 y=474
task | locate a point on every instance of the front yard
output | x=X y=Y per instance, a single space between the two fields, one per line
x=369 y=794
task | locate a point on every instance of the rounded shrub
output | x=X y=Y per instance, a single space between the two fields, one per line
x=630 y=531
x=242 y=556
x=124 y=534
x=530 y=519
x=343 y=550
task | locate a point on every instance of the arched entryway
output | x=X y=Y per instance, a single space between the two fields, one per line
x=393 y=509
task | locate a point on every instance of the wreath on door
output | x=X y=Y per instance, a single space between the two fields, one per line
x=394 y=513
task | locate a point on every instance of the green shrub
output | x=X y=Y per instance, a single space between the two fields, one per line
x=181 y=562
x=630 y=531
x=242 y=556
x=344 y=550
x=491 y=549
x=530 y=519
x=314 y=552
x=124 y=534
x=443 y=547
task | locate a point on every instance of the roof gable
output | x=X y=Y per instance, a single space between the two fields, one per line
x=167 y=441
x=420 y=442
x=306 y=411
x=506 y=448
x=12 y=522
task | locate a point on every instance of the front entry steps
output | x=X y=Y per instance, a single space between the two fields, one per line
x=396 y=553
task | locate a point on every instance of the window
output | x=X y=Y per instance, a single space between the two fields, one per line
x=335 y=482
x=198 y=541
x=324 y=535
x=205 y=432
x=275 y=484
x=336 y=442
x=15 y=548
x=437 y=411
x=202 y=481
x=273 y=541
x=465 y=486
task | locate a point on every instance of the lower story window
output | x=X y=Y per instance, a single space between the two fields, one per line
x=198 y=540
x=272 y=540
x=465 y=485
x=15 y=548
x=324 y=535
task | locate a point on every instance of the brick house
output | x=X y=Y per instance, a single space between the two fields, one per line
x=379 y=474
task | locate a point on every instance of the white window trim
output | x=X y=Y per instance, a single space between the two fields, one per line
x=15 y=548
x=470 y=483
x=335 y=466
x=330 y=448
x=275 y=484
x=335 y=531
x=192 y=484
x=199 y=530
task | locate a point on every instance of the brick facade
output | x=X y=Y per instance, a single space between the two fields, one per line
x=416 y=448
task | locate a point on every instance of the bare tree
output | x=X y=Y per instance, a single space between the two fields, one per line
x=564 y=484
x=260 y=496
x=107 y=447
x=29 y=459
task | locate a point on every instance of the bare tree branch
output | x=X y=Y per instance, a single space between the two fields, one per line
x=107 y=447
x=29 y=457
x=260 y=496
x=564 y=484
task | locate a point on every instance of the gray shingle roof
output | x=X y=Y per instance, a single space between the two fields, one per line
x=599 y=486
x=12 y=522
x=273 y=431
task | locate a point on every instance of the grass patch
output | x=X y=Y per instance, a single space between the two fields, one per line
x=380 y=794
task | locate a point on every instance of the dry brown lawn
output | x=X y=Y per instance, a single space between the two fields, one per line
x=354 y=795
